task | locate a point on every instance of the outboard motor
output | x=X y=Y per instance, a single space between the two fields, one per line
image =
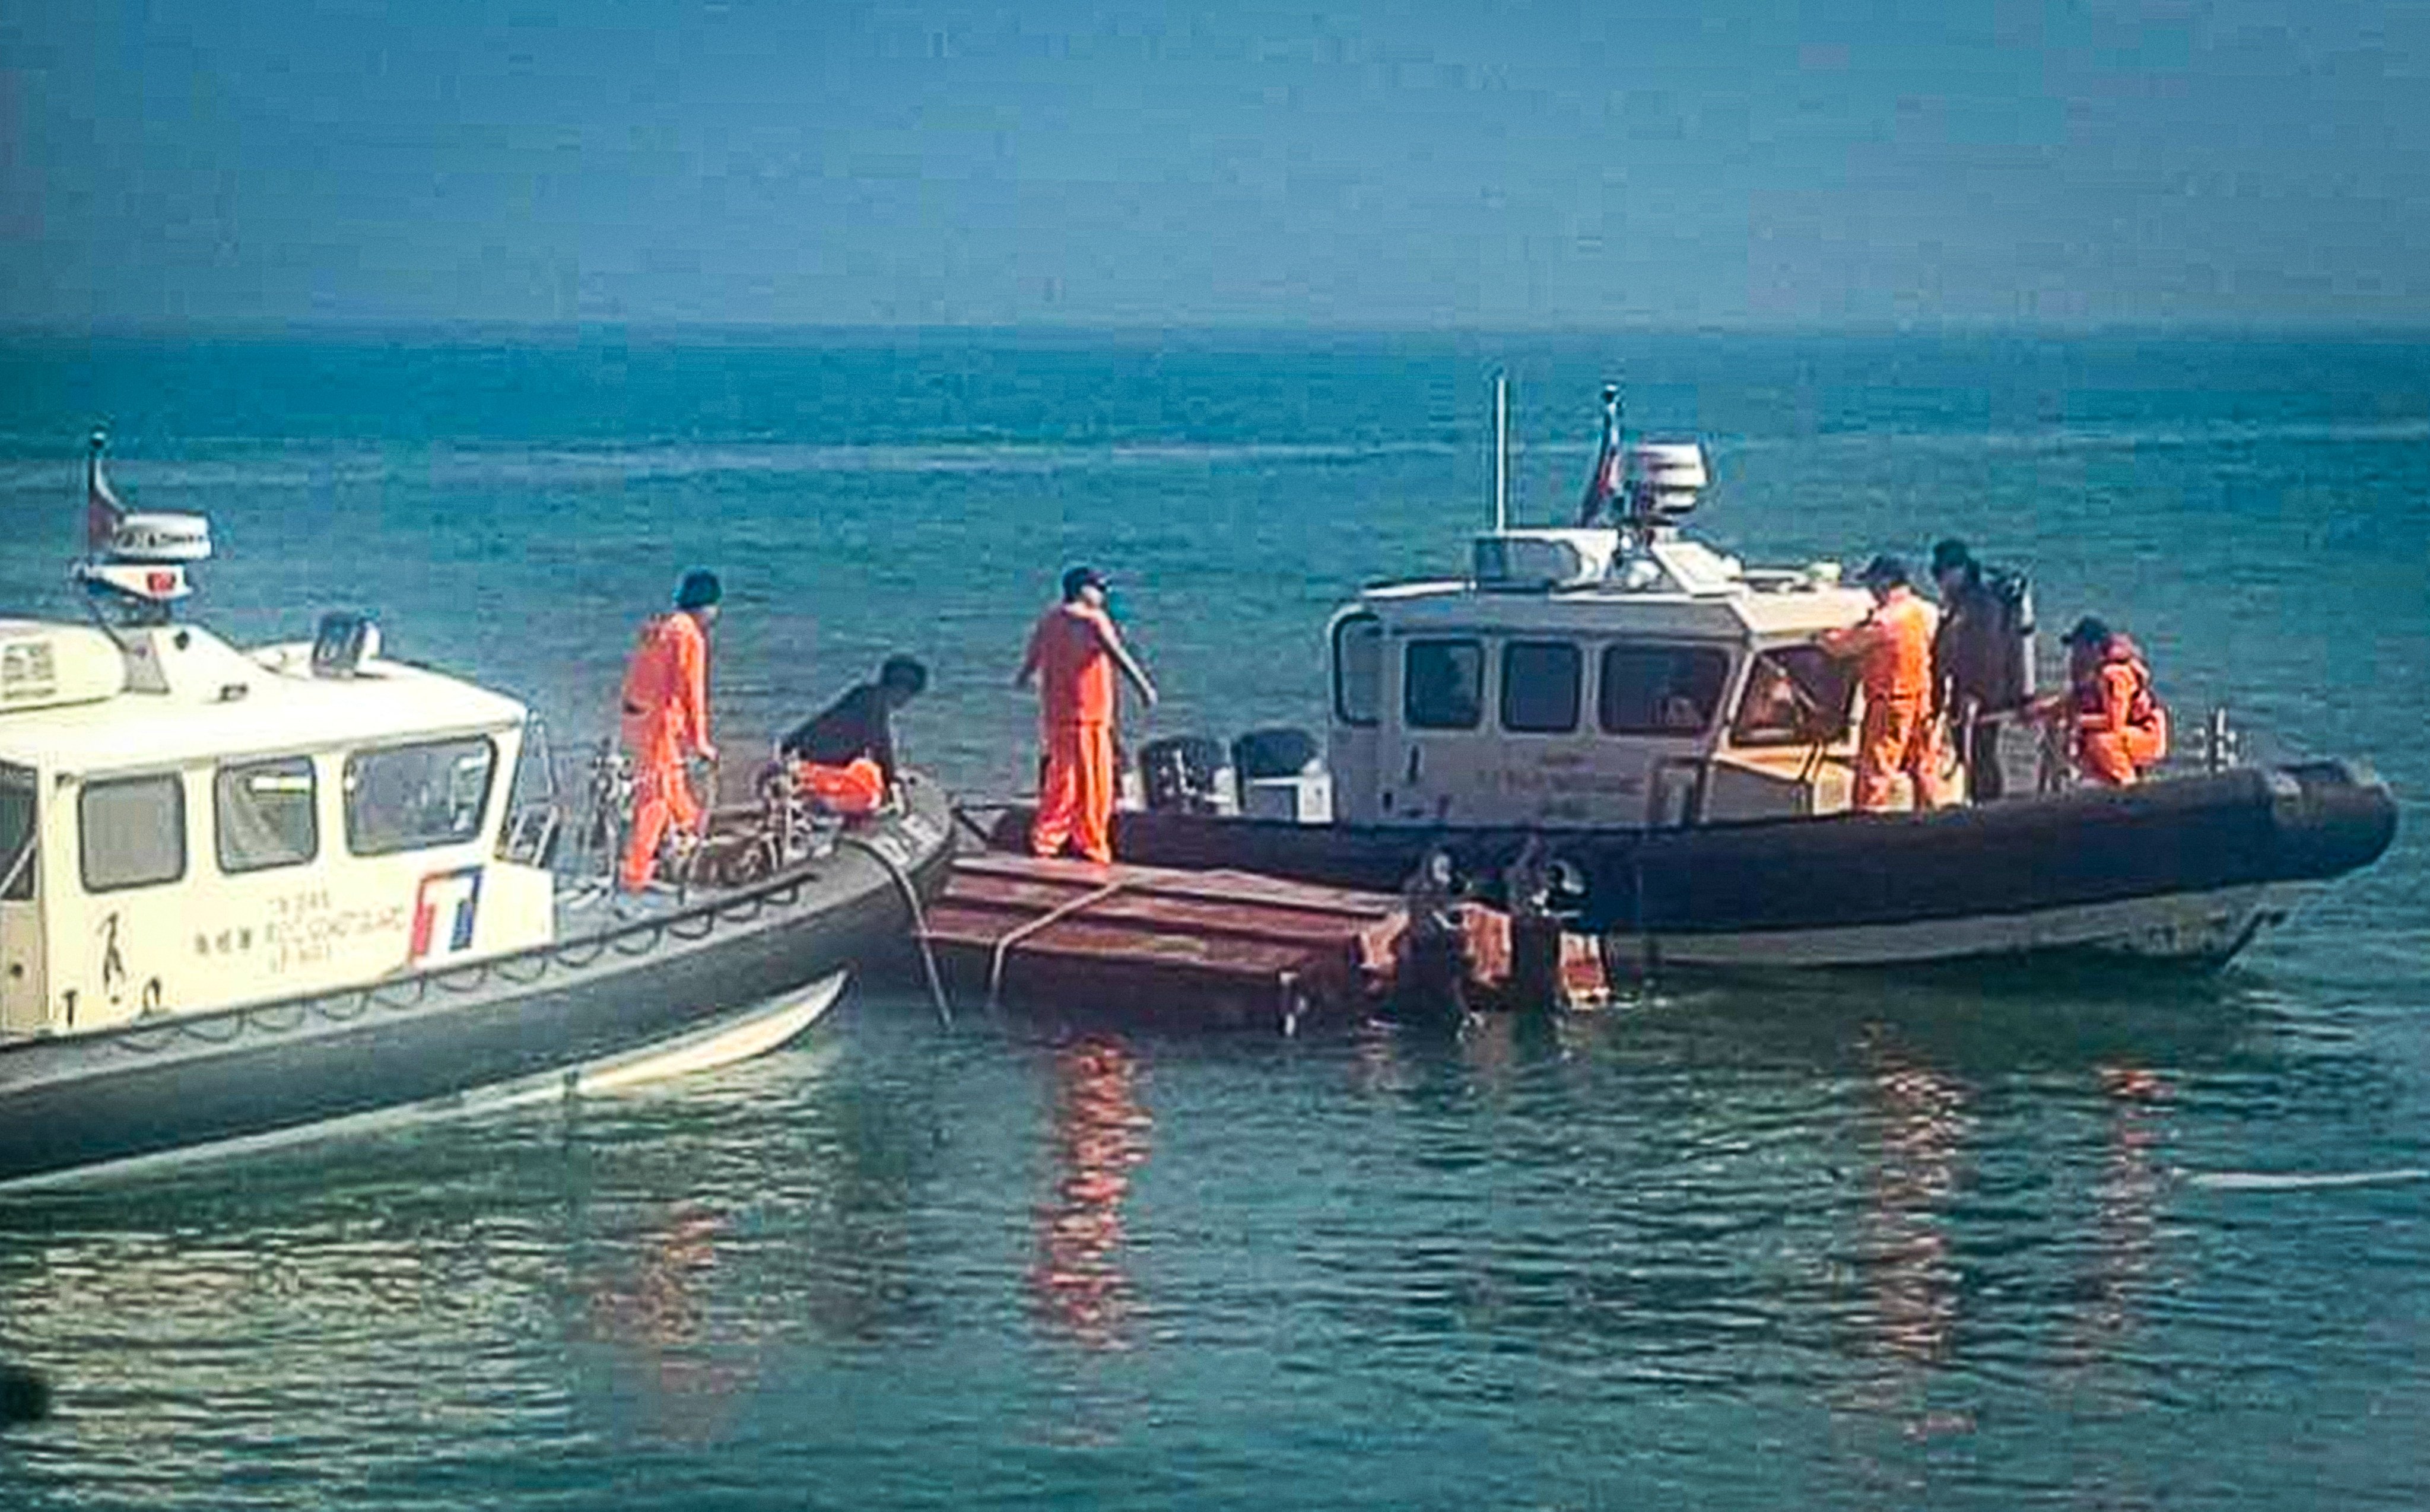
x=1282 y=776
x=1184 y=774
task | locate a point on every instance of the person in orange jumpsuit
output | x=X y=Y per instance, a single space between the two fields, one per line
x=2120 y=730
x=1892 y=649
x=665 y=710
x=1073 y=653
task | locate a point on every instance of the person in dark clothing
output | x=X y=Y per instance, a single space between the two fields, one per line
x=844 y=758
x=1982 y=658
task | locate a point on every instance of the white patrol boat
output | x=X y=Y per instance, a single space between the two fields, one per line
x=247 y=893
x=1649 y=723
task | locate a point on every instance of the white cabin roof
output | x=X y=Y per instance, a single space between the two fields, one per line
x=195 y=711
x=1673 y=589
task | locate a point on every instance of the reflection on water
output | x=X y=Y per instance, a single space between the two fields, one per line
x=1100 y=1134
x=657 y=1301
x=2126 y=1201
x=1839 y=1246
x=1920 y=1126
x=649 y=1304
x=1915 y=1129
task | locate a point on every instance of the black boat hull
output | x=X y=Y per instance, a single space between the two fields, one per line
x=71 y=1103
x=2182 y=868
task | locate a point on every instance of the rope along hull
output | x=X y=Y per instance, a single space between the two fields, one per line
x=245 y=1074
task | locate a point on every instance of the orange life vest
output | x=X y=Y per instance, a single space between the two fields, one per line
x=1897 y=661
x=664 y=698
x=2117 y=691
x=1075 y=671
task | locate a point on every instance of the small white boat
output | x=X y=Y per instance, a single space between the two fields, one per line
x=248 y=892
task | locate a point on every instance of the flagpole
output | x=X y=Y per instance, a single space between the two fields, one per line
x=102 y=509
x=1501 y=452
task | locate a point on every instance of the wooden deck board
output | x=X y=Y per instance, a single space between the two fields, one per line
x=1160 y=945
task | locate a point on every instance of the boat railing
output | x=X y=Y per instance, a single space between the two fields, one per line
x=530 y=838
x=535 y=824
x=2054 y=765
x=605 y=812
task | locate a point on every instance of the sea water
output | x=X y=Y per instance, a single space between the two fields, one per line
x=2070 y=1239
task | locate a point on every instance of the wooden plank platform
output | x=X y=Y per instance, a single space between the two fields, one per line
x=1152 y=945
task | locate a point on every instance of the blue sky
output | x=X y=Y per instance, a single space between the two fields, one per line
x=1476 y=165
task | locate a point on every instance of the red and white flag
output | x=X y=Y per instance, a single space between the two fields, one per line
x=1602 y=484
x=101 y=511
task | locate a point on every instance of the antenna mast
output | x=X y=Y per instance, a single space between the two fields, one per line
x=1501 y=452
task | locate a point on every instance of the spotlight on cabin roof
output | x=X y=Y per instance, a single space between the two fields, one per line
x=1661 y=481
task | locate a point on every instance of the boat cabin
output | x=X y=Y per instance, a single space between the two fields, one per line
x=185 y=826
x=1626 y=676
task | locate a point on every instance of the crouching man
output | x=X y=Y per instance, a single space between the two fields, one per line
x=844 y=761
x=2117 y=726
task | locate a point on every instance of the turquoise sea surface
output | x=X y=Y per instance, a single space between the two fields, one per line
x=1847 y=1242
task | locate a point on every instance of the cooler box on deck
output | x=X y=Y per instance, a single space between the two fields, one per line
x=1305 y=798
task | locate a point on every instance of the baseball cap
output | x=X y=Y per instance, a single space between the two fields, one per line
x=1883 y=572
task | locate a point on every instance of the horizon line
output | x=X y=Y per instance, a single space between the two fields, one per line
x=475 y=328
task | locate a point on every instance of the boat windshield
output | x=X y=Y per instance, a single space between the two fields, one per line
x=1795 y=695
x=16 y=832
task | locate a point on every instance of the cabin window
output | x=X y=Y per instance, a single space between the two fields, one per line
x=265 y=814
x=1442 y=685
x=17 y=833
x=1661 y=689
x=1795 y=695
x=1358 y=670
x=412 y=797
x=133 y=831
x=1540 y=686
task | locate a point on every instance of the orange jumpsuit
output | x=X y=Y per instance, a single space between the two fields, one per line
x=665 y=717
x=1893 y=652
x=2121 y=729
x=855 y=790
x=1077 y=782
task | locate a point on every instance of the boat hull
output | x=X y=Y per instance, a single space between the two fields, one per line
x=2192 y=928
x=603 y=1001
x=2185 y=868
x=750 y=1031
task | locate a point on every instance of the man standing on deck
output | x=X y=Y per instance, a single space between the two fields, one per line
x=1892 y=649
x=665 y=717
x=1982 y=658
x=1074 y=652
